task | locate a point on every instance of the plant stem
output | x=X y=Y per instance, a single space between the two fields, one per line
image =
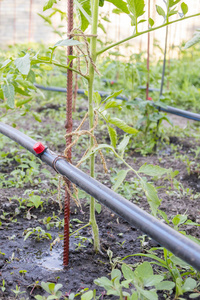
x=143 y=32
x=52 y=62
x=76 y=231
x=93 y=42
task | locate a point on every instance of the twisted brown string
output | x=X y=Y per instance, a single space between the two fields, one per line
x=79 y=50
x=80 y=133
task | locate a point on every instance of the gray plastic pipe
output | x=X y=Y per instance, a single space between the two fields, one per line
x=79 y=91
x=169 y=109
x=176 y=111
x=172 y=240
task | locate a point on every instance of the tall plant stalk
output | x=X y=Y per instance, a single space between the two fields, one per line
x=93 y=47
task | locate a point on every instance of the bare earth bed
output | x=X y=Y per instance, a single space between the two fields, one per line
x=27 y=263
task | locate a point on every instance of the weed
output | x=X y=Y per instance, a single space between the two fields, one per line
x=17 y=291
x=38 y=234
x=3 y=288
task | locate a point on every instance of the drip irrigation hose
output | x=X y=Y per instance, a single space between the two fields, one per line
x=79 y=91
x=150 y=89
x=170 y=109
x=179 y=112
x=172 y=240
x=176 y=111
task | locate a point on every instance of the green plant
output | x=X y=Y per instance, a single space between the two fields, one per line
x=38 y=234
x=22 y=272
x=149 y=124
x=17 y=291
x=35 y=201
x=52 y=289
x=3 y=286
x=18 y=75
x=2 y=253
x=136 y=283
x=175 y=269
x=53 y=221
x=82 y=241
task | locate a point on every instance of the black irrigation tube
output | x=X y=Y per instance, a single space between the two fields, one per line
x=79 y=91
x=169 y=109
x=141 y=87
x=174 y=241
x=180 y=112
x=176 y=111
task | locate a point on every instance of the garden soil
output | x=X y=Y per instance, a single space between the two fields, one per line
x=27 y=263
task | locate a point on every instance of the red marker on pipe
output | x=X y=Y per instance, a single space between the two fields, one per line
x=39 y=148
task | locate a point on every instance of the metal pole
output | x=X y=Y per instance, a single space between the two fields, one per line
x=172 y=240
x=148 y=56
x=68 y=127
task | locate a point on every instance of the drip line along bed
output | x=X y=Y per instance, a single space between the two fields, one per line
x=164 y=235
x=140 y=239
x=43 y=264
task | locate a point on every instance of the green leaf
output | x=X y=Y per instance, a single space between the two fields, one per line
x=122 y=125
x=113 y=135
x=98 y=207
x=165 y=285
x=101 y=3
x=127 y=272
x=102 y=28
x=179 y=219
x=194 y=295
x=150 y=295
x=172 y=12
x=152 y=280
x=123 y=144
x=49 y=4
x=173 y=2
x=84 y=11
x=21 y=102
x=120 y=4
x=38 y=297
x=5 y=63
x=151 y=195
x=31 y=76
x=114 y=95
x=9 y=93
x=90 y=152
x=110 y=104
x=27 y=235
x=36 y=116
x=97 y=98
x=189 y=285
x=52 y=297
x=136 y=7
x=67 y=42
x=87 y=296
x=121 y=175
x=194 y=40
x=35 y=200
x=177 y=261
x=23 y=64
x=57 y=287
x=46 y=19
x=160 y=11
x=143 y=270
x=104 y=282
x=152 y=170
x=151 y=22
x=116 y=274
